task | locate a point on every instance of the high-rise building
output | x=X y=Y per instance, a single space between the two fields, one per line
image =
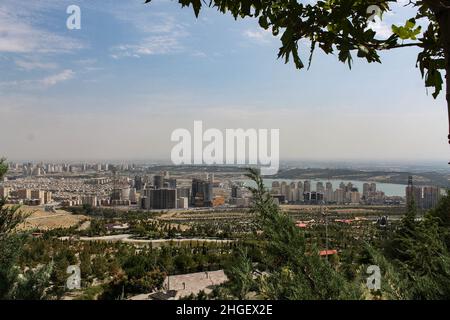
x=116 y=194
x=170 y=183
x=300 y=193
x=125 y=194
x=307 y=186
x=158 y=182
x=354 y=197
x=328 y=196
x=286 y=191
x=293 y=194
x=133 y=195
x=38 y=195
x=24 y=194
x=366 y=190
x=47 y=197
x=349 y=187
x=339 y=196
x=89 y=200
x=413 y=194
x=4 y=192
x=184 y=192
x=163 y=198
x=234 y=191
x=431 y=196
x=138 y=183
x=283 y=187
x=202 y=193
x=319 y=187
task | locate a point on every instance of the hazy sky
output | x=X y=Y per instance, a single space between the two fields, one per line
x=118 y=87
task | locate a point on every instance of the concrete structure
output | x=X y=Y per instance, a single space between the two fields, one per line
x=24 y=194
x=4 y=192
x=89 y=200
x=431 y=196
x=202 y=193
x=183 y=203
x=307 y=186
x=38 y=195
x=158 y=182
x=161 y=199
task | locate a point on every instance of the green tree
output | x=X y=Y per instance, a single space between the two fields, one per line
x=34 y=284
x=240 y=274
x=418 y=251
x=292 y=270
x=342 y=27
x=13 y=285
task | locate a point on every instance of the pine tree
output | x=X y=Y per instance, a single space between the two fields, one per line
x=293 y=272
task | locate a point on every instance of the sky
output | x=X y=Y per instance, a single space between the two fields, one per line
x=133 y=73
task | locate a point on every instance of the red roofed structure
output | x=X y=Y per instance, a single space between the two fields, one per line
x=327 y=252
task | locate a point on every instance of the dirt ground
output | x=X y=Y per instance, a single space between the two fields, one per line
x=49 y=220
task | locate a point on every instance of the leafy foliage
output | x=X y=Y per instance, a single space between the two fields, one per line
x=13 y=284
x=292 y=270
x=342 y=27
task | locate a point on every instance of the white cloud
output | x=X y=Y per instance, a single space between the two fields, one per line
x=381 y=28
x=45 y=82
x=160 y=33
x=56 y=78
x=18 y=35
x=33 y=64
x=259 y=36
x=163 y=44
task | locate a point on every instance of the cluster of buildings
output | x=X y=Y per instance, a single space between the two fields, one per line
x=301 y=192
x=26 y=196
x=165 y=194
x=426 y=197
x=42 y=169
x=102 y=184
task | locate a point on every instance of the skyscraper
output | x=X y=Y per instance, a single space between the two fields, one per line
x=319 y=187
x=170 y=183
x=234 y=191
x=202 y=193
x=413 y=194
x=163 y=199
x=431 y=196
x=138 y=183
x=366 y=190
x=158 y=182
x=307 y=186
